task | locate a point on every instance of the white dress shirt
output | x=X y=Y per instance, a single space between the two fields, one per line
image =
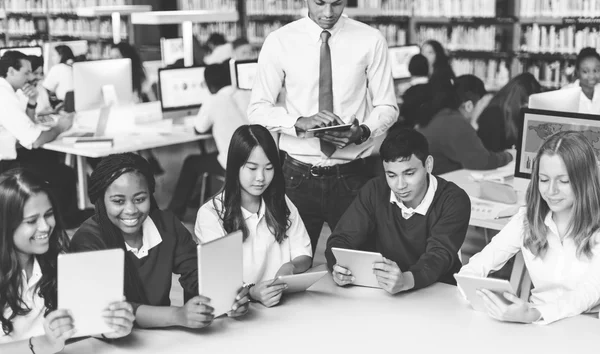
x=224 y=112
x=586 y=105
x=362 y=85
x=263 y=255
x=565 y=285
x=31 y=324
x=422 y=208
x=150 y=239
x=15 y=125
x=59 y=80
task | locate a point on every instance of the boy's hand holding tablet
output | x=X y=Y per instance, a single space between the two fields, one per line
x=196 y=313
x=391 y=278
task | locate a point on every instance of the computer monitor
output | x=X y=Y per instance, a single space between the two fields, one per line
x=243 y=74
x=78 y=48
x=537 y=125
x=171 y=50
x=37 y=50
x=99 y=82
x=566 y=100
x=182 y=91
x=400 y=57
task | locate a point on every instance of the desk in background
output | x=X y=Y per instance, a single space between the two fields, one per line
x=330 y=319
x=135 y=137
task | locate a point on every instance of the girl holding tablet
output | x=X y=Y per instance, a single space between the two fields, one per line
x=253 y=200
x=558 y=234
x=155 y=242
x=31 y=237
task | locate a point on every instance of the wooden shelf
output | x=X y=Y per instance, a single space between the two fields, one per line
x=546 y=56
x=550 y=21
x=96 y=11
x=465 y=20
x=177 y=17
x=480 y=54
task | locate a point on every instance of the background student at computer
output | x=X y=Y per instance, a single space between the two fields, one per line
x=557 y=233
x=587 y=71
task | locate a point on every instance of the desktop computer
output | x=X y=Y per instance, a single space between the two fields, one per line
x=101 y=82
x=243 y=73
x=171 y=50
x=400 y=57
x=37 y=51
x=566 y=100
x=182 y=91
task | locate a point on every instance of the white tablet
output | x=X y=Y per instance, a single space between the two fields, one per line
x=220 y=271
x=88 y=282
x=299 y=282
x=360 y=263
x=470 y=284
x=340 y=127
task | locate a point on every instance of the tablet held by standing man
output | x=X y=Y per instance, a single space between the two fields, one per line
x=335 y=70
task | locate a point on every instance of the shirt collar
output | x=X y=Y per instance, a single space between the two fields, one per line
x=261 y=211
x=150 y=239
x=315 y=30
x=36 y=275
x=423 y=207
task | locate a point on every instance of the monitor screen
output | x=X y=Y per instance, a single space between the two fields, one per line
x=25 y=50
x=171 y=50
x=399 y=59
x=538 y=125
x=97 y=82
x=245 y=72
x=182 y=88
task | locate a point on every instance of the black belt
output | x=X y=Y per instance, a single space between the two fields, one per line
x=353 y=167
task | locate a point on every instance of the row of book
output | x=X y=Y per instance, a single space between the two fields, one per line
x=56 y=6
x=88 y=28
x=481 y=38
x=552 y=39
x=493 y=72
x=560 y=8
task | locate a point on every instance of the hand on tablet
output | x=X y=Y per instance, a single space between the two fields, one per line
x=267 y=295
x=58 y=327
x=196 y=313
x=319 y=120
x=508 y=308
x=285 y=269
x=341 y=139
x=342 y=276
x=119 y=316
x=390 y=277
x=240 y=306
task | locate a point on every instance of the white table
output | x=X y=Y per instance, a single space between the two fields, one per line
x=361 y=320
x=129 y=142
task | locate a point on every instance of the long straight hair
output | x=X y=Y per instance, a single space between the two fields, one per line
x=580 y=159
x=16 y=187
x=510 y=99
x=245 y=139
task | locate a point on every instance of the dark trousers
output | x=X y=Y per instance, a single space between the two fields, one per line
x=61 y=178
x=322 y=199
x=193 y=168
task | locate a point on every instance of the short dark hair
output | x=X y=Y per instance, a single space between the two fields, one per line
x=402 y=143
x=418 y=65
x=217 y=75
x=216 y=39
x=36 y=61
x=238 y=42
x=468 y=88
x=587 y=52
x=11 y=59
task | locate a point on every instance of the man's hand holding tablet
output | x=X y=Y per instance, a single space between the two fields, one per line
x=391 y=278
x=196 y=313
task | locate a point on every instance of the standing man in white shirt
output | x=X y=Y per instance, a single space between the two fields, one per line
x=335 y=71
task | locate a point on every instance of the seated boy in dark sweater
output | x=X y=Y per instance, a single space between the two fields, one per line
x=415 y=220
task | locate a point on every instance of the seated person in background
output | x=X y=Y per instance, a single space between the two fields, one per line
x=156 y=245
x=415 y=220
x=43 y=100
x=220 y=49
x=254 y=201
x=16 y=126
x=142 y=87
x=418 y=93
x=453 y=142
x=59 y=79
x=558 y=234
x=499 y=121
x=242 y=49
x=31 y=238
x=587 y=70
x=223 y=112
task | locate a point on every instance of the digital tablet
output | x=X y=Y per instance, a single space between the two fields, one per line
x=360 y=263
x=88 y=282
x=470 y=284
x=299 y=282
x=333 y=128
x=220 y=271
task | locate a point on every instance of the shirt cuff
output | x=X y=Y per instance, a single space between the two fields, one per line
x=27 y=138
x=549 y=314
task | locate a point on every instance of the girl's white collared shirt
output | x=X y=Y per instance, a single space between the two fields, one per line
x=564 y=285
x=263 y=256
x=31 y=324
